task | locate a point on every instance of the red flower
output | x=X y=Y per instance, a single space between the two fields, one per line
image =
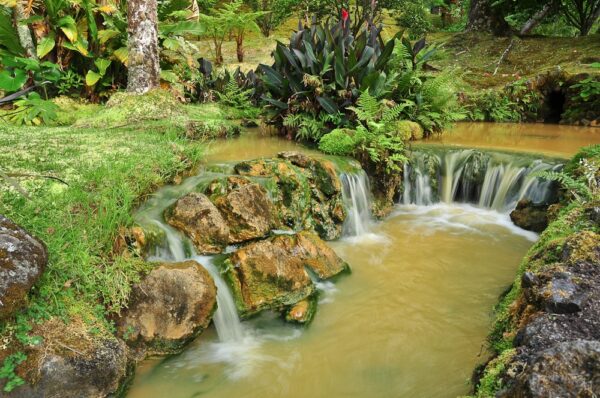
x=345 y=16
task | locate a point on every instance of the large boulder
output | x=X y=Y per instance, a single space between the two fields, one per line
x=530 y=216
x=245 y=206
x=23 y=259
x=168 y=308
x=272 y=273
x=72 y=363
x=201 y=221
x=306 y=192
x=568 y=369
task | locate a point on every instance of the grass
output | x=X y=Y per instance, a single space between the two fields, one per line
x=475 y=56
x=106 y=173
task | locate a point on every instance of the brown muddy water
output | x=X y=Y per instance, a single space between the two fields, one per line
x=410 y=321
x=548 y=139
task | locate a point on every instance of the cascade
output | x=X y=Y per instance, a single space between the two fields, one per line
x=490 y=180
x=356 y=194
x=226 y=319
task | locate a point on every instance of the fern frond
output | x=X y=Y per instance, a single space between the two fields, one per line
x=579 y=189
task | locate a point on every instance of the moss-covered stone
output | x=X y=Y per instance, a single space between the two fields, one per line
x=245 y=206
x=272 y=273
x=201 y=221
x=306 y=192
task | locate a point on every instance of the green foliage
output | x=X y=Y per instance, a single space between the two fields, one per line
x=339 y=142
x=17 y=71
x=7 y=371
x=589 y=89
x=375 y=136
x=235 y=96
x=430 y=99
x=582 y=183
x=517 y=102
x=323 y=71
x=33 y=110
x=275 y=13
x=413 y=16
x=69 y=82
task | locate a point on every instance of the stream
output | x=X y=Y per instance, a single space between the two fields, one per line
x=412 y=318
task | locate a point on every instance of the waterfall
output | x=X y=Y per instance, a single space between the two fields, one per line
x=357 y=201
x=226 y=319
x=490 y=180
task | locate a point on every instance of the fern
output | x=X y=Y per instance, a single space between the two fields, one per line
x=368 y=107
x=234 y=96
x=578 y=189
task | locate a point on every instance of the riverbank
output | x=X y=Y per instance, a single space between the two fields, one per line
x=75 y=188
x=545 y=336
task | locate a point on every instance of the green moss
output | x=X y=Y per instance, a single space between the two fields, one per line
x=491 y=383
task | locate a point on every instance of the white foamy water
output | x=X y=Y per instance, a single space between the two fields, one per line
x=459 y=216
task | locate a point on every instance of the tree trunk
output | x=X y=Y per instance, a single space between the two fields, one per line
x=142 y=27
x=536 y=19
x=23 y=31
x=483 y=17
x=239 y=43
x=589 y=23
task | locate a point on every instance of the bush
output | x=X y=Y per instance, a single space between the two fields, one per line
x=414 y=17
x=339 y=142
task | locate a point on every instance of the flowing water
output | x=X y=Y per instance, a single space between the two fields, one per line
x=411 y=319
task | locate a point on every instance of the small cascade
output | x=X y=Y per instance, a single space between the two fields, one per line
x=357 y=201
x=226 y=319
x=490 y=180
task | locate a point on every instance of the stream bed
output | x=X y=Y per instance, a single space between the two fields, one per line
x=410 y=321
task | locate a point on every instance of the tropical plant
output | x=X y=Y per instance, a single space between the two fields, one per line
x=589 y=88
x=239 y=23
x=583 y=185
x=324 y=69
x=33 y=110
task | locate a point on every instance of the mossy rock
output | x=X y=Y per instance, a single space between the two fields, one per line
x=306 y=192
x=273 y=273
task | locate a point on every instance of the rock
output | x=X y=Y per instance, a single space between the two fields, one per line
x=168 y=308
x=72 y=364
x=318 y=256
x=528 y=280
x=23 y=259
x=245 y=206
x=303 y=312
x=569 y=369
x=530 y=216
x=201 y=221
x=306 y=192
x=248 y=123
x=271 y=274
x=561 y=295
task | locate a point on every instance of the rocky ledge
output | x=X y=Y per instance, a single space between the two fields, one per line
x=294 y=192
x=547 y=332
